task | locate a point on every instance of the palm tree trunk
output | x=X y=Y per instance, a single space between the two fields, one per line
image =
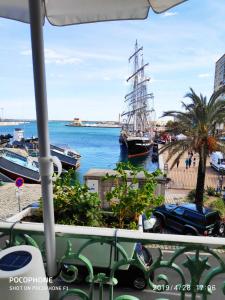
x=201 y=177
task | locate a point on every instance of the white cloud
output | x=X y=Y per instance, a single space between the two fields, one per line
x=169 y=14
x=106 y=78
x=55 y=57
x=57 y=75
x=99 y=56
x=52 y=56
x=70 y=56
x=204 y=75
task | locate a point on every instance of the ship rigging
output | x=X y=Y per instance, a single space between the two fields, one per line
x=136 y=134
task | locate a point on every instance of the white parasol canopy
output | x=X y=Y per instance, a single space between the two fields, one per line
x=64 y=12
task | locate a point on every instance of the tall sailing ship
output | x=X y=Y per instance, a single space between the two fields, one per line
x=136 y=134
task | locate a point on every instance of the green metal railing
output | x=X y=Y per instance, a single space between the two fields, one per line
x=195 y=261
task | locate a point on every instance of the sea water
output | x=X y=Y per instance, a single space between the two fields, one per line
x=99 y=147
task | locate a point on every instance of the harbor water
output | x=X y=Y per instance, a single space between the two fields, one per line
x=99 y=147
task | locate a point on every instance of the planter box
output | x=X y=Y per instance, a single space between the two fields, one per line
x=100 y=254
x=93 y=179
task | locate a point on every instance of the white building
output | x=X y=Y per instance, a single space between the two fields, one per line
x=18 y=134
x=219 y=79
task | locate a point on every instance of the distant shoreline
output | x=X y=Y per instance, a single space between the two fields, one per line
x=95 y=125
x=12 y=123
x=68 y=120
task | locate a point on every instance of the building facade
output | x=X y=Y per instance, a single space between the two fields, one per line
x=219 y=80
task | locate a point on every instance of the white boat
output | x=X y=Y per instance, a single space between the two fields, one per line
x=14 y=165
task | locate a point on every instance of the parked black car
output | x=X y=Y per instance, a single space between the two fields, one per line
x=133 y=276
x=189 y=218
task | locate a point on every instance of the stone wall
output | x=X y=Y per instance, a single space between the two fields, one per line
x=93 y=179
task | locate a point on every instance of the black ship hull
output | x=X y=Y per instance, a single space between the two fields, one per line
x=135 y=146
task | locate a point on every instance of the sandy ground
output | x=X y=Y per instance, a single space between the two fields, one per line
x=8 y=200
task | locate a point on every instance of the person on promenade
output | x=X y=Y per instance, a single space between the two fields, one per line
x=186 y=163
x=221 y=183
x=189 y=161
x=178 y=162
x=218 y=189
x=194 y=161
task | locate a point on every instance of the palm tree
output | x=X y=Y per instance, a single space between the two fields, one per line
x=198 y=123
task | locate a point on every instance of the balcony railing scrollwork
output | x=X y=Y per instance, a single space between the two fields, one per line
x=195 y=261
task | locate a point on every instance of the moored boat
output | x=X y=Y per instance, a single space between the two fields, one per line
x=14 y=165
x=4 y=139
x=68 y=157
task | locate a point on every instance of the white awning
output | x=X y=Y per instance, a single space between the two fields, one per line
x=66 y=12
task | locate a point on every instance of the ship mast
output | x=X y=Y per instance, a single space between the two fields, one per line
x=138 y=112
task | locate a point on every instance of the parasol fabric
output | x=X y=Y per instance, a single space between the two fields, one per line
x=66 y=12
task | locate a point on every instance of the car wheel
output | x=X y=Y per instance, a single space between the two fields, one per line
x=139 y=283
x=222 y=229
x=147 y=256
x=80 y=278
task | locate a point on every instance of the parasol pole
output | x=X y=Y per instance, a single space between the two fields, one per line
x=45 y=163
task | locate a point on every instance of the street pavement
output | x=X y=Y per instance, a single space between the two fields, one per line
x=185 y=179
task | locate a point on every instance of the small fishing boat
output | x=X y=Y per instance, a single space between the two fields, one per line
x=4 y=139
x=68 y=157
x=14 y=165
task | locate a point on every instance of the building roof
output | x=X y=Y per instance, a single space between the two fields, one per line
x=223 y=56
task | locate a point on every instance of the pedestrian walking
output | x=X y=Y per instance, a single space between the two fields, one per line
x=221 y=183
x=186 y=163
x=178 y=162
x=189 y=161
x=194 y=161
x=218 y=186
x=223 y=194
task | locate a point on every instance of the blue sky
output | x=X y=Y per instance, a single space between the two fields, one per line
x=87 y=65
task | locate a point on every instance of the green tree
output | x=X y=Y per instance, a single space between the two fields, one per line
x=173 y=127
x=198 y=122
x=73 y=202
x=128 y=202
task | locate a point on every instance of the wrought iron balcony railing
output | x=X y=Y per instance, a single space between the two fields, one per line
x=192 y=267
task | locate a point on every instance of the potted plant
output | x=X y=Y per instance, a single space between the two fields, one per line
x=79 y=215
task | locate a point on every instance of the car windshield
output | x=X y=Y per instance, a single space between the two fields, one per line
x=212 y=218
x=222 y=161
